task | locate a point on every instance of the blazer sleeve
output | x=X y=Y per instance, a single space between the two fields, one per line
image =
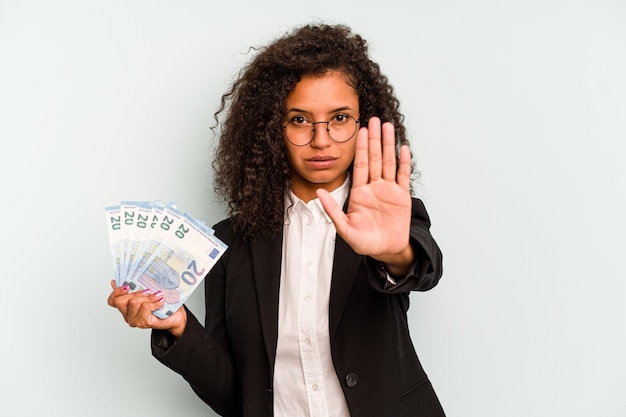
x=427 y=267
x=202 y=356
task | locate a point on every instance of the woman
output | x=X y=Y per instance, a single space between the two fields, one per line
x=306 y=310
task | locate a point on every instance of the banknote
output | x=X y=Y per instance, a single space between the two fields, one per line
x=162 y=249
x=128 y=213
x=136 y=218
x=146 y=237
x=114 y=220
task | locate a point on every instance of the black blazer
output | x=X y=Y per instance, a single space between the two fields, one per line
x=229 y=363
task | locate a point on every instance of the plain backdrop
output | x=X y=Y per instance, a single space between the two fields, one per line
x=517 y=116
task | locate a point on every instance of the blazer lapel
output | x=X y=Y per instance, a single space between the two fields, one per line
x=266 y=262
x=345 y=268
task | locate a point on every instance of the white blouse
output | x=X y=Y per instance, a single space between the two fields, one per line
x=305 y=382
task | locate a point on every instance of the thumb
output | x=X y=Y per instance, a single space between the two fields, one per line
x=333 y=210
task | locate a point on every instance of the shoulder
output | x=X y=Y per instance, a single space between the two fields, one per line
x=417 y=204
x=224 y=231
x=418 y=211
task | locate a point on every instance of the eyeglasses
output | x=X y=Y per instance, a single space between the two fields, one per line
x=300 y=131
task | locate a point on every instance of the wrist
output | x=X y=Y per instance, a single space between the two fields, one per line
x=178 y=330
x=398 y=264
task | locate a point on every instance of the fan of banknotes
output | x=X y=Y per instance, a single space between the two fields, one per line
x=157 y=247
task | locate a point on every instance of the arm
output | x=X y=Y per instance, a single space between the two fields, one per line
x=202 y=361
x=202 y=356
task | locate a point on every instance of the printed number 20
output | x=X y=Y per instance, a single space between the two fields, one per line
x=189 y=277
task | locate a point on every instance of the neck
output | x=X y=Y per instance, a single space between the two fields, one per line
x=307 y=191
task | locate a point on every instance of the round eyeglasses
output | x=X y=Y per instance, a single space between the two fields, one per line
x=300 y=131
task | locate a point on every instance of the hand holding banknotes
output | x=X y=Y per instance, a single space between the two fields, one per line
x=160 y=256
x=137 y=308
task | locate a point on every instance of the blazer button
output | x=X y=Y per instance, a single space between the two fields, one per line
x=351 y=380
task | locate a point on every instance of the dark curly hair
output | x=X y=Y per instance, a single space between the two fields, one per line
x=251 y=167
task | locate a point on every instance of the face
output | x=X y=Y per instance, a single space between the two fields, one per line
x=323 y=163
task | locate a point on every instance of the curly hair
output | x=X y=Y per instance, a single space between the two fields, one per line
x=251 y=168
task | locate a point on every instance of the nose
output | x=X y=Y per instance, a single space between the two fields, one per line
x=321 y=137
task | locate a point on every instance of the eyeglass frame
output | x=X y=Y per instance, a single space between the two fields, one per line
x=327 y=122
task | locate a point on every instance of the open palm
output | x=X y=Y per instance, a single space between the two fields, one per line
x=379 y=212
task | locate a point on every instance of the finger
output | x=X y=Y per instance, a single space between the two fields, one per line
x=360 y=167
x=333 y=210
x=117 y=292
x=374 y=149
x=141 y=306
x=145 y=318
x=404 y=169
x=152 y=321
x=389 y=152
x=119 y=301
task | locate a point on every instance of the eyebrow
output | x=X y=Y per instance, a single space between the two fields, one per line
x=338 y=109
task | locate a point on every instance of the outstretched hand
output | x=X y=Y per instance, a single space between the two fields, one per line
x=378 y=219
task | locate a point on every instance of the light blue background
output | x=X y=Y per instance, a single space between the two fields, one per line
x=517 y=114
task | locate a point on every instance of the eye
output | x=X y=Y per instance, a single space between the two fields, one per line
x=299 y=121
x=340 y=119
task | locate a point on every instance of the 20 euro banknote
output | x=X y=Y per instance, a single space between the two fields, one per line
x=171 y=253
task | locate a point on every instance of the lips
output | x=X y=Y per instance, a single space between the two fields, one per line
x=321 y=162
